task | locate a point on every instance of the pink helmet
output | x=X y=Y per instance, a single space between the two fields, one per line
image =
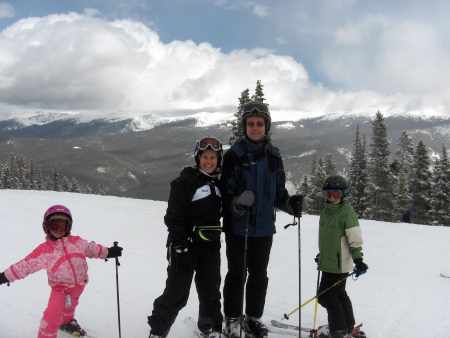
x=57 y=209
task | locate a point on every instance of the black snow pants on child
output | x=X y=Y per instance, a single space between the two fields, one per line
x=204 y=260
x=336 y=302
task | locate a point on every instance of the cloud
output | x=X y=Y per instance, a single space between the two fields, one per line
x=91 y=12
x=385 y=47
x=6 y=10
x=75 y=62
x=388 y=57
x=255 y=8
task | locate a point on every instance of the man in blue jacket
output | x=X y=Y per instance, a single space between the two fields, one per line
x=253 y=186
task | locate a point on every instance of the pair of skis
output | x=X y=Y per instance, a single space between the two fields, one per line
x=290 y=329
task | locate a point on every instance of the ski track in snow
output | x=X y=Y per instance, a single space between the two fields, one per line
x=402 y=295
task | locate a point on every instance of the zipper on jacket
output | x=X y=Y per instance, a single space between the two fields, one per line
x=70 y=263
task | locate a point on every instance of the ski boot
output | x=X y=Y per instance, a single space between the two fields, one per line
x=255 y=328
x=232 y=327
x=210 y=334
x=357 y=332
x=321 y=332
x=73 y=328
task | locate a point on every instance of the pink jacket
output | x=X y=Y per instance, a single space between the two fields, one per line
x=64 y=260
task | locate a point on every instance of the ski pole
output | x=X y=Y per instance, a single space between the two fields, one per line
x=117 y=291
x=287 y=315
x=244 y=269
x=299 y=277
x=298 y=215
x=317 y=302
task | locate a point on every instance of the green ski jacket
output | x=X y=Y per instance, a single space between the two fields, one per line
x=340 y=239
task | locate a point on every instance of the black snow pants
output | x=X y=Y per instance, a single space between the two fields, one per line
x=336 y=302
x=205 y=262
x=258 y=253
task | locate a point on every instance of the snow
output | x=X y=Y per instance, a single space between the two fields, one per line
x=307 y=153
x=102 y=170
x=286 y=125
x=402 y=295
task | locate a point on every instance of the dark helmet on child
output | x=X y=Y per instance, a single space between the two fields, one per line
x=211 y=143
x=336 y=183
x=57 y=212
x=258 y=109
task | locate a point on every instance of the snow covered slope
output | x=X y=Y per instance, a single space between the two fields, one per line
x=401 y=296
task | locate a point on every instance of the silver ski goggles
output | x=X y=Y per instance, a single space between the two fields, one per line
x=257 y=107
x=209 y=143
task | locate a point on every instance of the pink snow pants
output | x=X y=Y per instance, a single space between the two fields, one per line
x=60 y=309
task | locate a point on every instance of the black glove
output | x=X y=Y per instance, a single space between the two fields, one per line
x=180 y=255
x=3 y=279
x=360 y=267
x=296 y=204
x=243 y=201
x=114 y=251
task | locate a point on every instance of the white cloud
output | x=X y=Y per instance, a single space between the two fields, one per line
x=6 y=10
x=389 y=57
x=91 y=12
x=259 y=10
x=73 y=62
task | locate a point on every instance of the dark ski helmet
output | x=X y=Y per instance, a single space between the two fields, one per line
x=211 y=143
x=57 y=211
x=255 y=109
x=336 y=182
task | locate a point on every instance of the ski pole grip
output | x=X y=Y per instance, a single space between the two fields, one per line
x=115 y=243
x=286 y=316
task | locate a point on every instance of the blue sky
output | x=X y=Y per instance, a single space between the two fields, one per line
x=341 y=55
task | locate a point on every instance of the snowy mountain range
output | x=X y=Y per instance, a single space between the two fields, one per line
x=138 y=156
x=402 y=295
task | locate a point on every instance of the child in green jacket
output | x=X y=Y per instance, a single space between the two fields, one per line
x=340 y=246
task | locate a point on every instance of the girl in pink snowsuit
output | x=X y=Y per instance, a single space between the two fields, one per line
x=64 y=258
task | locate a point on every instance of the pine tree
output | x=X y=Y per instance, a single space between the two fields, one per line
x=379 y=188
x=305 y=190
x=421 y=189
x=330 y=166
x=259 y=93
x=405 y=157
x=317 y=181
x=441 y=190
x=236 y=124
x=358 y=175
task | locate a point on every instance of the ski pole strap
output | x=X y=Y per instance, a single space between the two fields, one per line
x=294 y=223
x=287 y=315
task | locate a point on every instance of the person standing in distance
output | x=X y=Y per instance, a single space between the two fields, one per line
x=253 y=186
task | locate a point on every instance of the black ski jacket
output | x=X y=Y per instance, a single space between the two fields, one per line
x=194 y=208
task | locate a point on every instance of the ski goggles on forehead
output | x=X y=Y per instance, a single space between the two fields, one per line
x=209 y=143
x=255 y=107
x=334 y=194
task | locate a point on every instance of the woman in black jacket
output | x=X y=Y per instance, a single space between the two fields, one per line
x=193 y=244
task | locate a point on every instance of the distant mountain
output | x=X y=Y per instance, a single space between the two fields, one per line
x=137 y=157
